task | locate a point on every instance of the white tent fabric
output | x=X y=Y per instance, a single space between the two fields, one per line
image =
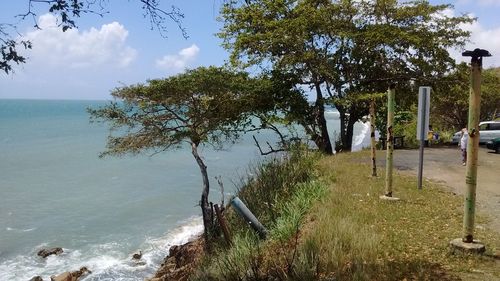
x=362 y=140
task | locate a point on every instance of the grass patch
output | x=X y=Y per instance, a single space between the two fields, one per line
x=360 y=237
x=326 y=222
x=280 y=194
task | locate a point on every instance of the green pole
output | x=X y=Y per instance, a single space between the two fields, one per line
x=372 y=135
x=472 y=148
x=391 y=92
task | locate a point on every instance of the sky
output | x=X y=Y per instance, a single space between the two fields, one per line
x=120 y=48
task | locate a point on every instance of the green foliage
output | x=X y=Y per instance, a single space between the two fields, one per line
x=354 y=235
x=344 y=49
x=10 y=54
x=280 y=195
x=450 y=97
x=204 y=106
x=274 y=182
x=446 y=136
x=200 y=106
x=490 y=93
x=350 y=234
x=341 y=246
x=233 y=264
x=405 y=124
x=292 y=212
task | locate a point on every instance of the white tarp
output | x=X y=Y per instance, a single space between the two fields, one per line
x=362 y=140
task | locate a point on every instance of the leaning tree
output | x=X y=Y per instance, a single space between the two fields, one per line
x=204 y=106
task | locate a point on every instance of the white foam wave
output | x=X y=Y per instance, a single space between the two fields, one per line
x=20 y=230
x=108 y=261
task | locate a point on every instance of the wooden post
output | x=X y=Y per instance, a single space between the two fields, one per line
x=472 y=151
x=372 y=127
x=390 y=140
x=223 y=224
x=467 y=242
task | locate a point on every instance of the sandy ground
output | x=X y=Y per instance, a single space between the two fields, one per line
x=444 y=165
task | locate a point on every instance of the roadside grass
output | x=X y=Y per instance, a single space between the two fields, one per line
x=280 y=194
x=326 y=222
x=362 y=237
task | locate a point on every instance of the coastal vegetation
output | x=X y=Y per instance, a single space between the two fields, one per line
x=450 y=97
x=330 y=224
x=341 y=49
x=323 y=223
x=323 y=214
x=201 y=107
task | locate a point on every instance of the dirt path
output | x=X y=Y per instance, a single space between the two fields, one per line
x=444 y=165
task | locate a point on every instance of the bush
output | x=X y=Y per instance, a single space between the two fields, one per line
x=279 y=194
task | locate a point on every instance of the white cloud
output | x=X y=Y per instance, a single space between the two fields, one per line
x=79 y=49
x=484 y=3
x=180 y=60
x=483 y=38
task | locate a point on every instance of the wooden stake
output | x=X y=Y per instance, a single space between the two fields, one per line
x=372 y=127
x=223 y=225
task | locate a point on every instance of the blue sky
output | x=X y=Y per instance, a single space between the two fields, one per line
x=104 y=53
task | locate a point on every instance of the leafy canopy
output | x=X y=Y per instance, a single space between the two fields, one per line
x=450 y=98
x=207 y=105
x=344 y=48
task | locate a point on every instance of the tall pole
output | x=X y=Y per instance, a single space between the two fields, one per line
x=423 y=121
x=473 y=143
x=391 y=92
x=372 y=127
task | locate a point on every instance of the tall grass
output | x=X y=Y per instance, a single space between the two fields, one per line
x=356 y=236
x=280 y=194
x=273 y=183
x=326 y=222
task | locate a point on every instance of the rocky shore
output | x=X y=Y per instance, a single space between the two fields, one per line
x=180 y=262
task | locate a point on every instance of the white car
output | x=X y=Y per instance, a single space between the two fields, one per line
x=488 y=130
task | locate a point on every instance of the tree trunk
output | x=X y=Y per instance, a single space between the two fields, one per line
x=323 y=142
x=342 y=134
x=206 y=211
x=349 y=132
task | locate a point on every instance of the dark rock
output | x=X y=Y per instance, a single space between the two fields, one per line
x=180 y=262
x=71 y=276
x=137 y=256
x=47 y=252
x=36 y=278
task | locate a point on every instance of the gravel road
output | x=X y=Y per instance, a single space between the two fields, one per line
x=443 y=164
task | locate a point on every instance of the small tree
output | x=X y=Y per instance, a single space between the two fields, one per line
x=204 y=106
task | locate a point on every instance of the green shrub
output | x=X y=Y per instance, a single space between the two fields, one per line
x=275 y=181
x=280 y=195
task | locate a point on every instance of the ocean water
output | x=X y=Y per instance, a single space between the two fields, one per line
x=56 y=192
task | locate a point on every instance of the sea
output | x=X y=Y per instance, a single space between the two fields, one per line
x=55 y=191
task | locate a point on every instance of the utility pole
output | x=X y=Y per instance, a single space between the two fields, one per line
x=467 y=242
x=391 y=93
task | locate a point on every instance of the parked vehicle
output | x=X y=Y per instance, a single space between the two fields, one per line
x=494 y=144
x=488 y=130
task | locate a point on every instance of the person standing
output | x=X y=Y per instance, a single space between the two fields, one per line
x=463 y=145
x=430 y=136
